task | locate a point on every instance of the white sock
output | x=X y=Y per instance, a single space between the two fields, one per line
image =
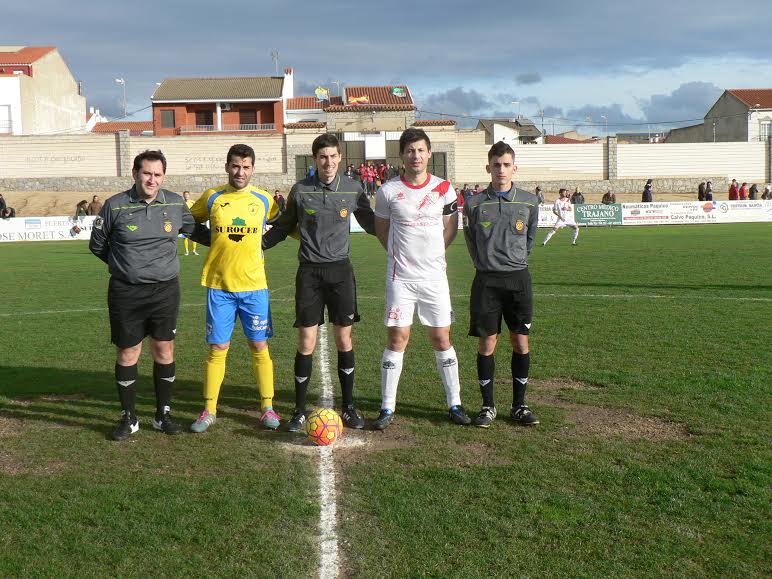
x=576 y=234
x=447 y=364
x=549 y=235
x=391 y=369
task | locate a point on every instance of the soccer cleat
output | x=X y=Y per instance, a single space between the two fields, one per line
x=126 y=427
x=270 y=419
x=458 y=415
x=204 y=421
x=167 y=424
x=486 y=417
x=352 y=418
x=195 y=252
x=297 y=422
x=523 y=415
x=385 y=417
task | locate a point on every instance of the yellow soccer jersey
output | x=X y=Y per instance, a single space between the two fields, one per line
x=237 y=218
x=190 y=203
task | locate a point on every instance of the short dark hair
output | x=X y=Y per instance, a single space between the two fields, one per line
x=499 y=150
x=562 y=190
x=242 y=151
x=149 y=156
x=413 y=135
x=324 y=140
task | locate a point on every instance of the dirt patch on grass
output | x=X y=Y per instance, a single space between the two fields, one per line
x=9 y=426
x=602 y=421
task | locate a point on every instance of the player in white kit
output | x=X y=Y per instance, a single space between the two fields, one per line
x=565 y=214
x=416 y=218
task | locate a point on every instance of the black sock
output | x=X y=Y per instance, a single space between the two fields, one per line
x=520 y=365
x=486 y=370
x=163 y=377
x=346 y=376
x=303 y=364
x=126 y=380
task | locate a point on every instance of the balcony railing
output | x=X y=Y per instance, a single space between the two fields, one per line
x=227 y=128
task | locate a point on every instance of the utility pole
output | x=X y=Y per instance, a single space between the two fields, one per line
x=275 y=58
x=123 y=82
x=541 y=114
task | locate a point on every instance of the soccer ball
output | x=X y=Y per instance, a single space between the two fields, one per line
x=324 y=426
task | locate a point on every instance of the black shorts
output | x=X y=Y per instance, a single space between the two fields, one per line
x=139 y=310
x=496 y=295
x=332 y=285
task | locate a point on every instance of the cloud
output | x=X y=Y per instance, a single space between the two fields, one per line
x=690 y=100
x=455 y=101
x=528 y=78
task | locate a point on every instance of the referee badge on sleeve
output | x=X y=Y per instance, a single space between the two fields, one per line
x=519 y=224
x=344 y=213
x=168 y=226
x=98 y=222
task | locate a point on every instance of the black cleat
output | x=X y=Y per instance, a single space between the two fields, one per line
x=167 y=424
x=523 y=415
x=385 y=417
x=297 y=422
x=352 y=418
x=486 y=417
x=458 y=415
x=126 y=427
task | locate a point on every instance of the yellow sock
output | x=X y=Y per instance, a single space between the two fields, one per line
x=214 y=374
x=262 y=366
x=195 y=245
x=185 y=243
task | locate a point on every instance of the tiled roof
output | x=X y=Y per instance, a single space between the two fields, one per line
x=135 y=128
x=558 y=140
x=24 y=54
x=525 y=127
x=434 y=123
x=380 y=95
x=754 y=96
x=311 y=102
x=241 y=87
x=349 y=108
x=305 y=125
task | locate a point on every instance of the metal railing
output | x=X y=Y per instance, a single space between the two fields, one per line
x=227 y=128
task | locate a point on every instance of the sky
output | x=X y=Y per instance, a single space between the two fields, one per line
x=644 y=66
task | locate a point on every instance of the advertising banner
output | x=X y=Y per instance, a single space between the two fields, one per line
x=598 y=214
x=743 y=211
x=645 y=213
x=45 y=228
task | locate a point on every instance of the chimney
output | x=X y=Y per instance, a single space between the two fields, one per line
x=288 y=90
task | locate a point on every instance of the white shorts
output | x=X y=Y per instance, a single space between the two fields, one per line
x=560 y=224
x=432 y=300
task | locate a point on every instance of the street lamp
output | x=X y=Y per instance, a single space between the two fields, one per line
x=123 y=82
x=605 y=118
x=518 y=107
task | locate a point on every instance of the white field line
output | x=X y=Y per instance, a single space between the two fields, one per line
x=700 y=299
x=328 y=520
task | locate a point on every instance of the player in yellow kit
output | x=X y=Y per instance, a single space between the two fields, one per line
x=235 y=277
x=189 y=202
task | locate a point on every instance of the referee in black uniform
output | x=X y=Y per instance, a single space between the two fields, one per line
x=500 y=227
x=320 y=207
x=135 y=233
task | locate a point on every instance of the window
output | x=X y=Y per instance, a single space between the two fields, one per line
x=248 y=117
x=167 y=120
x=438 y=166
x=765 y=130
x=204 y=118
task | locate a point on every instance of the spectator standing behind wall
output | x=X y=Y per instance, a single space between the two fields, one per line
x=8 y=213
x=701 y=192
x=744 y=192
x=95 y=206
x=646 y=196
x=753 y=194
x=609 y=198
x=81 y=209
x=734 y=191
x=539 y=195
x=709 y=191
x=2 y=202
x=767 y=192
x=577 y=198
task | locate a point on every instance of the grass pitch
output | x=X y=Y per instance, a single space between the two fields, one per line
x=651 y=373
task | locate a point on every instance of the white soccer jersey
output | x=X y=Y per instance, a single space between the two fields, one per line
x=564 y=208
x=416 y=248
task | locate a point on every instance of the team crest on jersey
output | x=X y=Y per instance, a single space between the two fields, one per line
x=131 y=227
x=168 y=226
x=344 y=212
x=252 y=207
x=519 y=224
x=401 y=196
